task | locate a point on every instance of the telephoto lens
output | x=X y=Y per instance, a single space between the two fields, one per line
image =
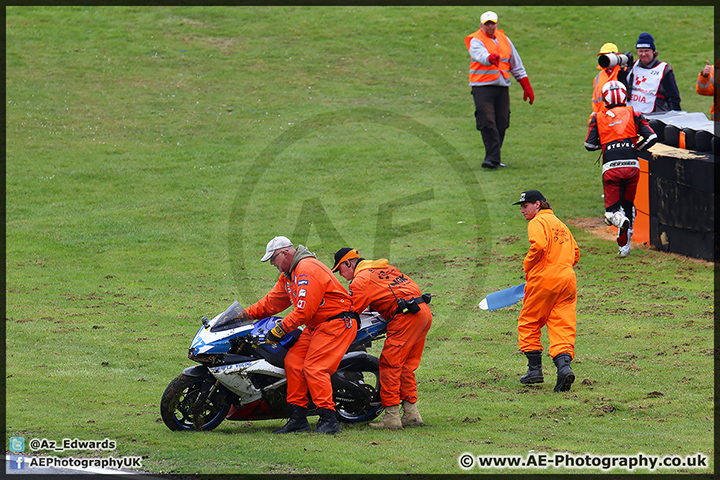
x=609 y=60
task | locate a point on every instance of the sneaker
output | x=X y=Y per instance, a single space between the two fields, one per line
x=624 y=250
x=500 y=164
x=623 y=237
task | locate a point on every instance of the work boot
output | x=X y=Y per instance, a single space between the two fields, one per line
x=534 y=373
x=391 y=418
x=489 y=165
x=328 y=422
x=565 y=375
x=411 y=416
x=298 y=420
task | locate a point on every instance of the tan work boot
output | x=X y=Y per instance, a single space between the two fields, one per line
x=391 y=418
x=411 y=416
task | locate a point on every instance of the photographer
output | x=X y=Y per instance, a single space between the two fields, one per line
x=651 y=83
x=612 y=66
x=397 y=298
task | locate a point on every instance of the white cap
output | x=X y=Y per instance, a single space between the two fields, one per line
x=488 y=16
x=275 y=244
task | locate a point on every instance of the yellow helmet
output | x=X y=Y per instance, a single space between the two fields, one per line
x=608 y=48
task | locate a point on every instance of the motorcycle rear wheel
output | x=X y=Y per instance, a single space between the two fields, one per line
x=179 y=408
x=356 y=392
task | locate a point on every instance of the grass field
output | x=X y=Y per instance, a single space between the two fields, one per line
x=153 y=151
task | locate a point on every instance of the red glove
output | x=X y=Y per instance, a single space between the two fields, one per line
x=527 y=89
x=494 y=59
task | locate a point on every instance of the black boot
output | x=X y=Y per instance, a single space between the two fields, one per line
x=534 y=373
x=298 y=420
x=565 y=375
x=328 y=422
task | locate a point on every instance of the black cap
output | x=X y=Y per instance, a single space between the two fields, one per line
x=531 y=196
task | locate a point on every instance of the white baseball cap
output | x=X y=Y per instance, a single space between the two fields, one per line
x=488 y=16
x=275 y=244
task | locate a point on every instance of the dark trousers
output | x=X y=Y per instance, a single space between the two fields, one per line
x=492 y=118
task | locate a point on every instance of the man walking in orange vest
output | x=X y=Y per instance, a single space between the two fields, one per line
x=493 y=58
x=550 y=291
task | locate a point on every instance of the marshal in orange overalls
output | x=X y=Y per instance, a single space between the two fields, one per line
x=379 y=285
x=551 y=286
x=316 y=296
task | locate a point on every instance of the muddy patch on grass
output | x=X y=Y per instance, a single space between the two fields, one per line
x=597 y=227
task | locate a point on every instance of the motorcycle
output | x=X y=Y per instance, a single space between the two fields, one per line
x=240 y=377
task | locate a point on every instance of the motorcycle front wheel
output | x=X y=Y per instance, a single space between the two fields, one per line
x=187 y=404
x=356 y=392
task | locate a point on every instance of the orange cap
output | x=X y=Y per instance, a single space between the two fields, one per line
x=343 y=255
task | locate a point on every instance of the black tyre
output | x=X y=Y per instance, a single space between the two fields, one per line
x=356 y=391
x=187 y=404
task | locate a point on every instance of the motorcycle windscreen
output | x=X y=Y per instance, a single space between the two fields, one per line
x=233 y=317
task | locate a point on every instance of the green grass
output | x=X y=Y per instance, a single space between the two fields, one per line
x=153 y=151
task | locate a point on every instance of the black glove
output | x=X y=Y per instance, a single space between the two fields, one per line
x=274 y=335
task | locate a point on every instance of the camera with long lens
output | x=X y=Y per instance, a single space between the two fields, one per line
x=609 y=60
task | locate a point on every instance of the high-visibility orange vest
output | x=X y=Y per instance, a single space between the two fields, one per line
x=706 y=86
x=480 y=73
x=601 y=79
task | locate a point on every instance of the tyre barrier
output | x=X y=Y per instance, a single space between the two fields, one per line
x=688 y=131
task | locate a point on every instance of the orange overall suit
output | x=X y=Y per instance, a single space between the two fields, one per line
x=379 y=285
x=317 y=296
x=551 y=286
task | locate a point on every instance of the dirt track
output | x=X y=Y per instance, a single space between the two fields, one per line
x=596 y=226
